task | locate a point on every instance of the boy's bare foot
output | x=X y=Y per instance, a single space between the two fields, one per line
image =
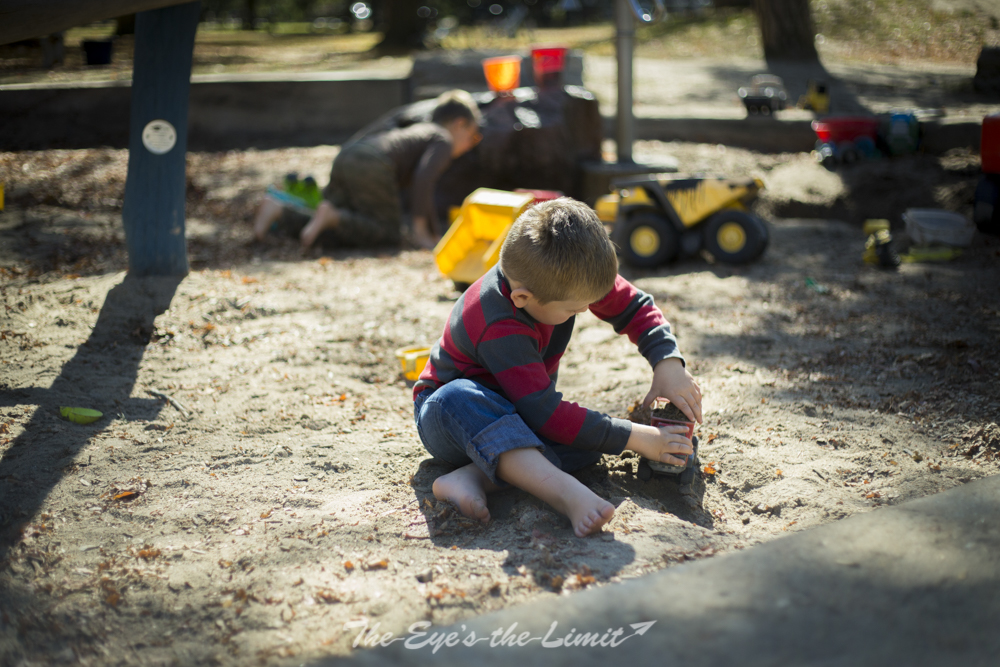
x=586 y=510
x=325 y=217
x=529 y=470
x=267 y=213
x=466 y=488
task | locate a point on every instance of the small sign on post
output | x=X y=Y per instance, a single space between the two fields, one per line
x=159 y=136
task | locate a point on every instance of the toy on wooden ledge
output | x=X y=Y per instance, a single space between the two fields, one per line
x=503 y=73
x=764 y=96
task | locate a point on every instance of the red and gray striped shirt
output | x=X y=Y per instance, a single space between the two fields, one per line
x=490 y=341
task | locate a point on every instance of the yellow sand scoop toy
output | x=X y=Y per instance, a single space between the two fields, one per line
x=660 y=217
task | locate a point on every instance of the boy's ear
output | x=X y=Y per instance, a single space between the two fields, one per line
x=520 y=296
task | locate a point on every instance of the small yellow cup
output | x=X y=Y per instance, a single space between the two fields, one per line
x=413 y=359
x=874 y=225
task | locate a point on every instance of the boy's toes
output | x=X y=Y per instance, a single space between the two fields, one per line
x=594 y=520
x=476 y=509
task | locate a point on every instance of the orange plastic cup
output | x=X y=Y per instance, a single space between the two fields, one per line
x=503 y=73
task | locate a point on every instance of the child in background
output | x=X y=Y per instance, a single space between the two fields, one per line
x=361 y=205
x=487 y=402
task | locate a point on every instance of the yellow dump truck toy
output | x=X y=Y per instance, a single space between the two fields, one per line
x=471 y=246
x=660 y=217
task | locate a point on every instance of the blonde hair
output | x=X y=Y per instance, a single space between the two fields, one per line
x=454 y=105
x=560 y=251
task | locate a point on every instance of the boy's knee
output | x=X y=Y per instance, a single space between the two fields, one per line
x=466 y=395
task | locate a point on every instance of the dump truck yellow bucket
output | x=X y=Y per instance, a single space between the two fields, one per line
x=471 y=246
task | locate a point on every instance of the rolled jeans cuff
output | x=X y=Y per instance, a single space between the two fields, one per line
x=505 y=434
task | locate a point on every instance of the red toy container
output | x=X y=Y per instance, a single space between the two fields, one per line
x=845 y=128
x=541 y=195
x=657 y=421
x=989 y=147
x=548 y=64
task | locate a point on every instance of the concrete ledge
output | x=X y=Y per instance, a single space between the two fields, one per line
x=775 y=135
x=917 y=584
x=769 y=135
x=942 y=135
x=261 y=111
x=270 y=110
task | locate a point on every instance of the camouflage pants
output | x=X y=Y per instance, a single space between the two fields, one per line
x=363 y=188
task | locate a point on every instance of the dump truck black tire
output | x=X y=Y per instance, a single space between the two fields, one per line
x=646 y=239
x=735 y=237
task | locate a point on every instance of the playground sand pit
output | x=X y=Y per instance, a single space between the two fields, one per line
x=274 y=487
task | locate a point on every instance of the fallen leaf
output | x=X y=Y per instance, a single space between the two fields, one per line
x=265 y=515
x=710 y=469
x=327 y=596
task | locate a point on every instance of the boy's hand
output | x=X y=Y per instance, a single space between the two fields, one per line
x=672 y=381
x=658 y=443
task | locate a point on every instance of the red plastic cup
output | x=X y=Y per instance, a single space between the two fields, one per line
x=548 y=64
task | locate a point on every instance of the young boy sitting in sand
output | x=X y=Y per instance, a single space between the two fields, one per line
x=487 y=401
x=361 y=205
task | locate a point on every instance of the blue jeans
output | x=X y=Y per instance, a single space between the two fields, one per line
x=463 y=422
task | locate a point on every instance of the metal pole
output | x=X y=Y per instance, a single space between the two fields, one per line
x=624 y=47
x=153 y=211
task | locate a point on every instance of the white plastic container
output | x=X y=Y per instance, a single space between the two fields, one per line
x=930 y=226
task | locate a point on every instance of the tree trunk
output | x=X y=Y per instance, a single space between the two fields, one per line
x=402 y=29
x=125 y=25
x=251 y=20
x=786 y=29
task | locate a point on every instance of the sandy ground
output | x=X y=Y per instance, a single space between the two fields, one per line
x=285 y=491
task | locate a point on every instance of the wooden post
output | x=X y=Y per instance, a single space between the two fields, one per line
x=153 y=210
